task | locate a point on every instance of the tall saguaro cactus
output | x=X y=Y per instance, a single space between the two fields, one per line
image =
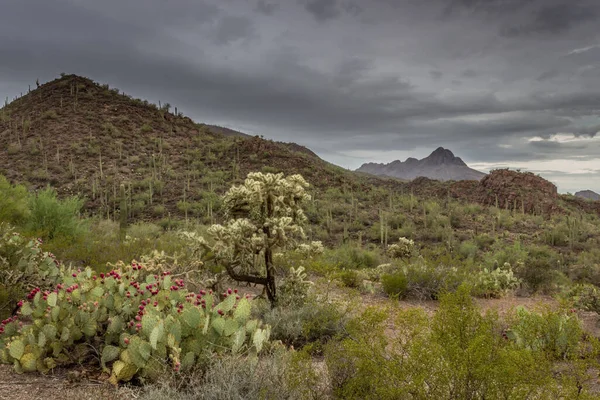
x=122 y=210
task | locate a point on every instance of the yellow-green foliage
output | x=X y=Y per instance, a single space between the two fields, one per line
x=13 y=202
x=459 y=354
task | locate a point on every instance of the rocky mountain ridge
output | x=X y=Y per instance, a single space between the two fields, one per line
x=441 y=165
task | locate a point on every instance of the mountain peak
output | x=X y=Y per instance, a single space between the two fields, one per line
x=441 y=164
x=588 y=194
x=442 y=156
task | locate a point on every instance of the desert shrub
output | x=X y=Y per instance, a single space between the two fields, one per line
x=352 y=257
x=14 y=148
x=484 y=241
x=584 y=297
x=350 y=278
x=146 y=128
x=13 y=202
x=51 y=217
x=468 y=249
x=426 y=279
x=505 y=220
x=495 y=283
x=540 y=271
x=159 y=210
x=277 y=375
x=50 y=114
x=457 y=354
x=586 y=269
x=501 y=254
x=316 y=322
x=375 y=274
x=144 y=231
x=557 y=234
x=136 y=325
x=557 y=334
x=395 y=285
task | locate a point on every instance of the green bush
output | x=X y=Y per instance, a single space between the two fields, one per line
x=277 y=375
x=459 y=354
x=350 y=278
x=468 y=249
x=395 y=285
x=13 y=202
x=352 y=257
x=51 y=217
x=557 y=334
x=316 y=322
x=541 y=269
x=426 y=280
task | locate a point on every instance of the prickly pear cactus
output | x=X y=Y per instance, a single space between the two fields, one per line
x=138 y=327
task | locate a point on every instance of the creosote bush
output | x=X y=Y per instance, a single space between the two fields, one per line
x=457 y=354
x=51 y=217
x=13 y=202
x=314 y=323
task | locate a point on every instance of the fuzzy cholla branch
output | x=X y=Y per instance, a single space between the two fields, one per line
x=403 y=249
x=265 y=214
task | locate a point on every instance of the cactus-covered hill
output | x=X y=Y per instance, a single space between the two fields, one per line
x=85 y=138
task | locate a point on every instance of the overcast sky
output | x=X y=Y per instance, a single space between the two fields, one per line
x=499 y=82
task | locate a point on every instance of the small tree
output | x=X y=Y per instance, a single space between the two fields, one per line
x=264 y=215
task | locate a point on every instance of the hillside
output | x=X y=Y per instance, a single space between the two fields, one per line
x=85 y=138
x=441 y=165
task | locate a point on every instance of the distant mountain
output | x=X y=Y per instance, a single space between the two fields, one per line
x=441 y=165
x=588 y=194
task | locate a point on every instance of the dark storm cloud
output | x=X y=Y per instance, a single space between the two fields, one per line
x=266 y=7
x=554 y=19
x=232 y=28
x=323 y=10
x=355 y=81
x=435 y=75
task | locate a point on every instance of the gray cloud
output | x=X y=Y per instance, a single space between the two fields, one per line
x=355 y=83
x=231 y=28
x=555 y=19
x=323 y=10
x=266 y=8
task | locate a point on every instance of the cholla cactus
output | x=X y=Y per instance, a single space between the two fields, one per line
x=265 y=215
x=315 y=248
x=294 y=288
x=403 y=249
